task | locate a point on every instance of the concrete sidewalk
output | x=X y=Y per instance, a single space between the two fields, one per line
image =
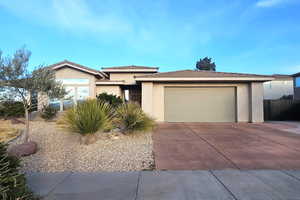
x=168 y=185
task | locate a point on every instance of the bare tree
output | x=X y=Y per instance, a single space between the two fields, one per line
x=18 y=82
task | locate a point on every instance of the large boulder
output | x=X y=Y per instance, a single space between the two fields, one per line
x=24 y=149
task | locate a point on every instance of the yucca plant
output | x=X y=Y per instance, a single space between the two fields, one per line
x=88 y=117
x=130 y=118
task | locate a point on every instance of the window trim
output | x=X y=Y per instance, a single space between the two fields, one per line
x=74 y=81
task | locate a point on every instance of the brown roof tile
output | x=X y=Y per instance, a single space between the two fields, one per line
x=75 y=64
x=129 y=67
x=282 y=76
x=66 y=62
x=200 y=73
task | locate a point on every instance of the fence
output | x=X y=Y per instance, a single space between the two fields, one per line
x=282 y=109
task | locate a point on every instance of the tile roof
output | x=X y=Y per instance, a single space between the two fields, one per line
x=84 y=68
x=75 y=64
x=129 y=67
x=199 y=74
x=282 y=76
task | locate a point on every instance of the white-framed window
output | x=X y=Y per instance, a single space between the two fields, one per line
x=74 y=81
x=75 y=94
x=270 y=85
x=82 y=92
x=297 y=81
x=76 y=91
x=71 y=92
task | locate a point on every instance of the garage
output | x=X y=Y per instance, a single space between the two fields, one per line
x=203 y=96
x=200 y=104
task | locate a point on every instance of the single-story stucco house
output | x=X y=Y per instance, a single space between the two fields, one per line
x=177 y=96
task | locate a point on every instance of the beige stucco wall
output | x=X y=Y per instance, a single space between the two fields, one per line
x=277 y=88
x=72 y=73
x=243 y=102
x=109 y=89
x=256 y=102
x=127 y=77
x=153 y=99
x=148 y=98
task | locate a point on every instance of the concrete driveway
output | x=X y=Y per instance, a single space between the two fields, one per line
x=215 y=146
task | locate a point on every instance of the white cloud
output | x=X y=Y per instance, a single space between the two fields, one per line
x=73 y=15
x=270 y=3
x=145 y=26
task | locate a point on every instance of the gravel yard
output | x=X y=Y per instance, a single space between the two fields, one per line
x=61 y=151
x=7 y=131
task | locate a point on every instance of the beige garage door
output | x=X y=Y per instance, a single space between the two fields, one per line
x=200 y=104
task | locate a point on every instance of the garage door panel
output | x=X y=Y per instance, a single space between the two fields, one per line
x=200 y=104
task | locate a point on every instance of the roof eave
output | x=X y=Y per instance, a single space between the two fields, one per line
x=79 y=68
x=128 y=70
x=208 y=79
x=110 y=83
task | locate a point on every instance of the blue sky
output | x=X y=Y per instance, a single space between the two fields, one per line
x=250 y=36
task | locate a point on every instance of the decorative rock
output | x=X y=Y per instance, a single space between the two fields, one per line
x=25 y=149
x=16 y=121
x=88 y=139
x=60 y=150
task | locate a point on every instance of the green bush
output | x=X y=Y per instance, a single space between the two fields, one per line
x=48 y=112
x=131 y=118
x=111 y=99
x=11 y=109
x=88 y=117
x=12 y=182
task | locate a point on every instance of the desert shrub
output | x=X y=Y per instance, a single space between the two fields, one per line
x=131 y=118
x=11 y=109
x=48 y=112
x=7 y=131
x=88 y=117
x=111 y=99
x=12 y=182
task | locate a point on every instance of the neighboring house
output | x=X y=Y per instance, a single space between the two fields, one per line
x=282 y=85
x=178 y=96
x=296 y=86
